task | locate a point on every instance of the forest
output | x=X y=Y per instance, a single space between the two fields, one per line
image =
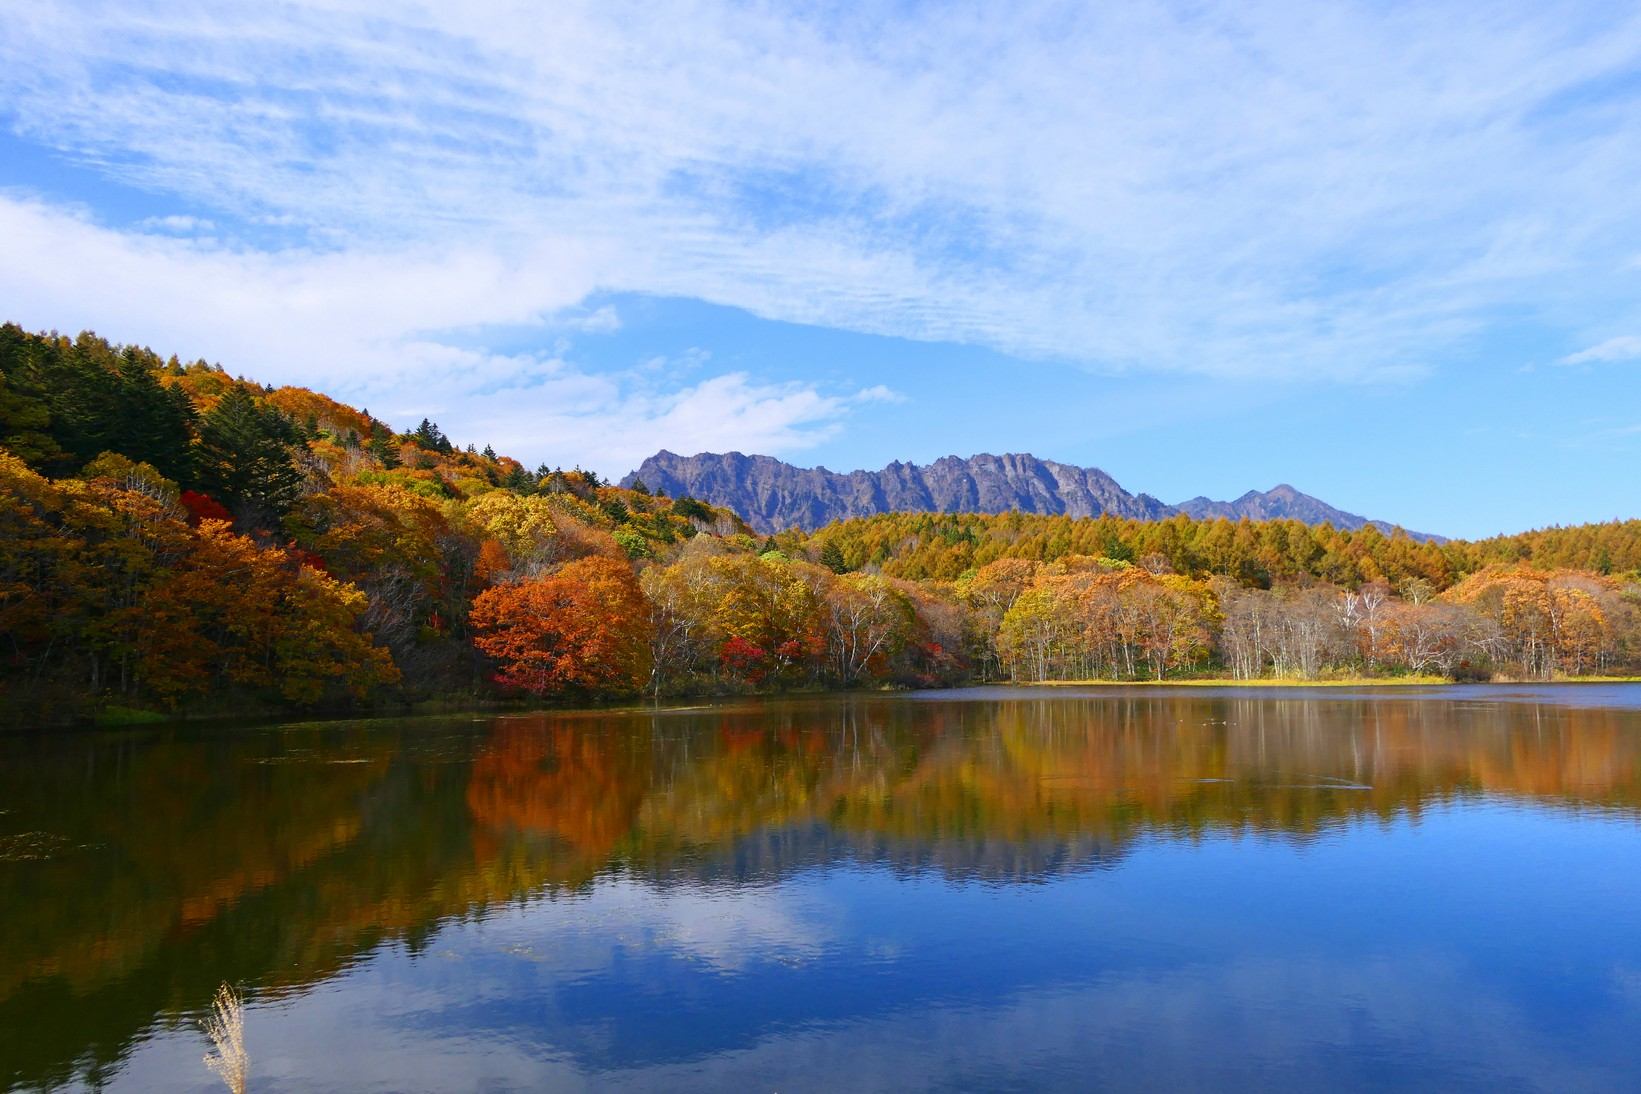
x=178 y=540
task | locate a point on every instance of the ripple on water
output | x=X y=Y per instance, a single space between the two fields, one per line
x=32 y=846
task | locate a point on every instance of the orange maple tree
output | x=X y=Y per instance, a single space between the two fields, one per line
x=584 y=627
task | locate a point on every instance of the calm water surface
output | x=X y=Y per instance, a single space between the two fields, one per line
x=1184 y=890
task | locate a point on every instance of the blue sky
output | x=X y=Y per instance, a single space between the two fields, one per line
x=1389 y=253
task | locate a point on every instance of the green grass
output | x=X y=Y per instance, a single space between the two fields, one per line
x=1570 y=680
x=1264 y=682
x=112 y=717
x=1329 y=682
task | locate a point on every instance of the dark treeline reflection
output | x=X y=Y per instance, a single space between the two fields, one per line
x=139 y=871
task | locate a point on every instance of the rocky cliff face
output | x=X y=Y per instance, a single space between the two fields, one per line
x=773 y=495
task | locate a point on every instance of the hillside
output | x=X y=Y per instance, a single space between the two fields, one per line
x=177 y=539
x=772 y=495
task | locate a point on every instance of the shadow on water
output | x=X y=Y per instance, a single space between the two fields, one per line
x=140 y=870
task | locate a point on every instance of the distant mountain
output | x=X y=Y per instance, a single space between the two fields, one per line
x=1283 y=502
x=772 y=495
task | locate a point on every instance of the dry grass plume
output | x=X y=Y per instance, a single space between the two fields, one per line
x=226 y=1029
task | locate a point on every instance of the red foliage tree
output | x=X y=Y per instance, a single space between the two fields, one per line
x=744 y=659
x=202 y=507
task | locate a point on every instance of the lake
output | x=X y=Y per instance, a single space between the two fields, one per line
x=1045 y=889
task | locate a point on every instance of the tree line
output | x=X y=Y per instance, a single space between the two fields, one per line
x=174 y=537
x=945 y=546
x=1084 y=618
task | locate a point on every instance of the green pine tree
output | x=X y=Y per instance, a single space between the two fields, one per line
x=430 y=437
x=384 y=450
x=82 y=390
x=686 y=506
x=25 y=427
x=246 y=462
x=831 y=557
x=156 y=425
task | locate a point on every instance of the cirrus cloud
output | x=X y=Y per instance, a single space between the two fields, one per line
x=1262 y=191
x=1623 y=348
x=364 y=325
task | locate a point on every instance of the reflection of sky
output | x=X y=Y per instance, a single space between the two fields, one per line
x=1487 y=946
x=1481 y=697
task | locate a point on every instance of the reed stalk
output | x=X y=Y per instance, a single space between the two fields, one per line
x=226 y=1028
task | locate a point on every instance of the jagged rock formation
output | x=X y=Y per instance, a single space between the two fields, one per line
x=772 y=495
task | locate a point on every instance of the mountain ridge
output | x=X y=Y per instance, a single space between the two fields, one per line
x=772 y=495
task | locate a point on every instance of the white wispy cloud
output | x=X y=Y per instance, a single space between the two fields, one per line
x=879 y=393
x=341 y=316
x=620 y=420
x=602 y=320
x=1623 y=348
x=363 y=325
x=177 y=223
x=1263 y=190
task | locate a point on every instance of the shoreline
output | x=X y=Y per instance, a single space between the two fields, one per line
x=1232 y=682
x=1294 y=682
x=127 y=718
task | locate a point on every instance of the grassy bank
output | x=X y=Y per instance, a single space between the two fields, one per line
x=1568 y=680
x=1331 y=682
x=1266 y=682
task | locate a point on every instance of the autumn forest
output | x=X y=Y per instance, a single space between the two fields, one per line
x=176 y=539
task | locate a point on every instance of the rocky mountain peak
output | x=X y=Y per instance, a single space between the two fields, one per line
x=772 y=495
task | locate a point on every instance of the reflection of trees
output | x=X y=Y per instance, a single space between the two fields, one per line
x=275 y=859
x=182 y=864
x=577 y=785
x=227 y=837
x=1024 y=786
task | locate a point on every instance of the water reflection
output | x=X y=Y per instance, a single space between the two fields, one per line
x=707 y=896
